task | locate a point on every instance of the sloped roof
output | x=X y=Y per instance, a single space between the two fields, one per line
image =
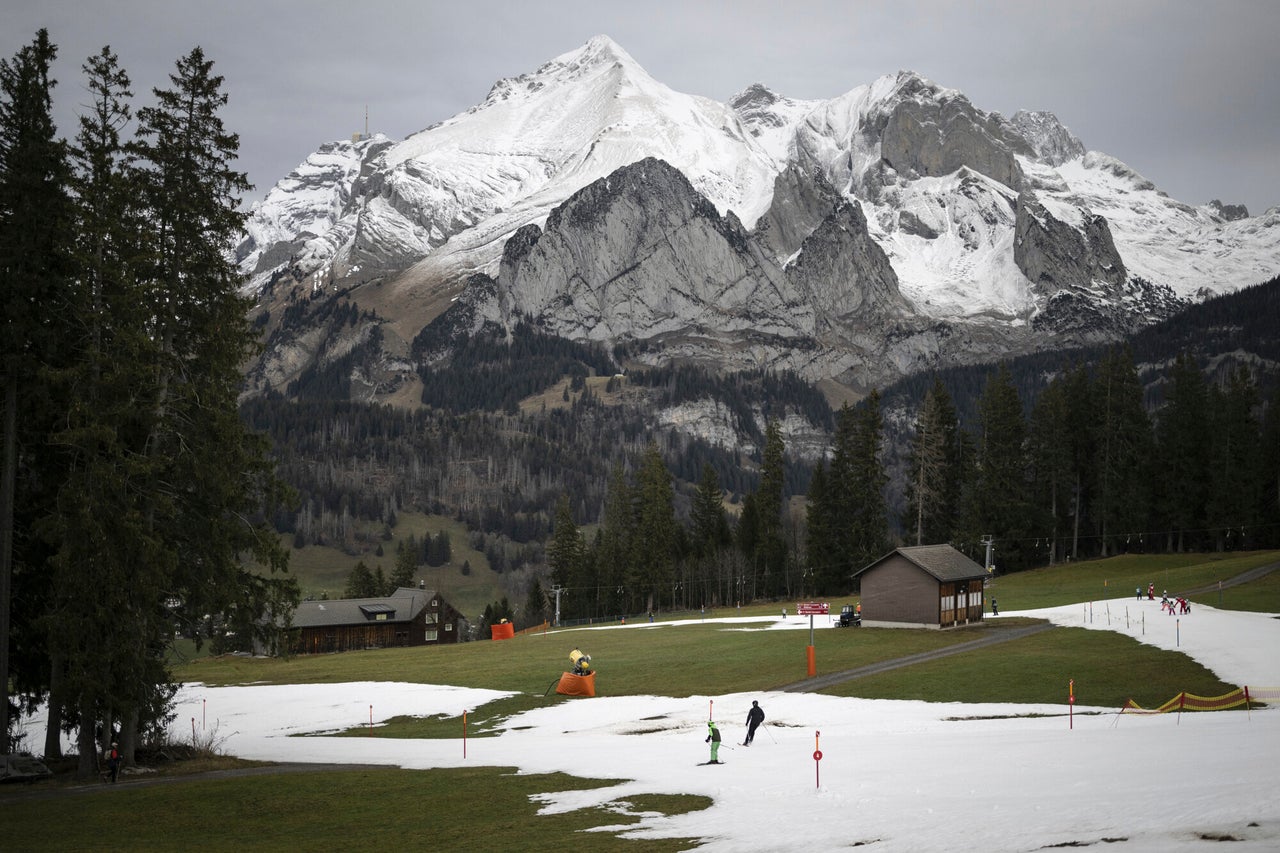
x=943 y=562
x=403 y=605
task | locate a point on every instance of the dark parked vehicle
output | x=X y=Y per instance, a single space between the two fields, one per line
x=849 y=617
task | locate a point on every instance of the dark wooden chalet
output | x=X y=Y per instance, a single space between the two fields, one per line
x=930 y=586
x=407 y=617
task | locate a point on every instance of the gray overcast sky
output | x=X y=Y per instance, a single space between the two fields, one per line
x=1187 y=92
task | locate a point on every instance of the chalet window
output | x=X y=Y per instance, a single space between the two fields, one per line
x=448 y=626
x=377 y=612
x=431 y=636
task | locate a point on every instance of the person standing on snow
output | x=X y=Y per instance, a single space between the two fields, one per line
x=713 y=738
x=754 y=718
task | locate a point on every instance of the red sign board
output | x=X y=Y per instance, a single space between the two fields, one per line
x=812 y=608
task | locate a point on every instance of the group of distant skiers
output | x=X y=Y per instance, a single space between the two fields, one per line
x=1177 y=604
x=754 y=718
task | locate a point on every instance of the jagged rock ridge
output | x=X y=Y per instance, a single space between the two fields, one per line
x=893 y=227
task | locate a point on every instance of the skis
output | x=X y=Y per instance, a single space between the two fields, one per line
x=705 y=763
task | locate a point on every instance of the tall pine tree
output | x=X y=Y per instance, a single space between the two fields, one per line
x=35 y=266
x=1124 y=445
x=1235 y=464
x=997 y=504
x=1182 y=440
x=770 y=547
x=935 y=475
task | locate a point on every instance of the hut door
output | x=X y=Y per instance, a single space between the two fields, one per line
x=947 y=591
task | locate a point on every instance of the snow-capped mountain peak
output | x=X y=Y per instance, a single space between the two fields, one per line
x=1005 y=228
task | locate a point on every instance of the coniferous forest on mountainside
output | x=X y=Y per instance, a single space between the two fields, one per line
x=143 y=499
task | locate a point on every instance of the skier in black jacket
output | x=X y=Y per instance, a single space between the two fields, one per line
x=754 y=718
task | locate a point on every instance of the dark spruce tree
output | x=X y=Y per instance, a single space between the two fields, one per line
x=935 y=475
x=1124 y=446
x=36 y=334
x=1269 y=474
x=1235 y=457
x=996 y=503
x=1182 y=451
x=566 y=555
x=655 y=546
x=96 y=526
x=770 y=557
x=1050 y=457
x=204 y=486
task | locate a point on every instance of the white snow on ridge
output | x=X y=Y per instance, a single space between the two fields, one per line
x=1166 y=241
x=459 y=187
x=967 y=270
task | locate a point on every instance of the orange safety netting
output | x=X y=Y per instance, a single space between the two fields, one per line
x=1190 y=702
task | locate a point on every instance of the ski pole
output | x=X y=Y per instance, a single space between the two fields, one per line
x=771 y=737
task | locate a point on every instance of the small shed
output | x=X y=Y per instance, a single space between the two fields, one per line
x=928 y=586
x=407 y=617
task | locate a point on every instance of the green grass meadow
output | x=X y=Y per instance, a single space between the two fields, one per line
x=1119 y=577
x=321 y=811
x=482 y=808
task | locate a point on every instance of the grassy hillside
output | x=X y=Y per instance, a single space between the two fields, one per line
x=322 y=571
x=696 y=658
x=1119 y=577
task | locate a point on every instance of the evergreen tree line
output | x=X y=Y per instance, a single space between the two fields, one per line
x=654 y=550
x=489 y=372
x=1093 y=470
x=1088 y=472
x=356 y=466
x=133 y=501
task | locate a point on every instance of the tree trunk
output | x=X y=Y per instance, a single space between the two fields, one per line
x=87 y=741
x=1075 y=534
x=129 y=737
x=8 y=484
x=53 y=728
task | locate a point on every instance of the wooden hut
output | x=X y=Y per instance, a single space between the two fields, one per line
x=929 y=586
x=407 y=617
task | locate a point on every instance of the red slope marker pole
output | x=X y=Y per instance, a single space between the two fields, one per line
x=817 y=756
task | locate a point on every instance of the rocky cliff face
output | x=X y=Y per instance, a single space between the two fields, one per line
x=1048 y=138
x=892 y=228
x=931 y=138
x=1057 y=254
x=641 y=257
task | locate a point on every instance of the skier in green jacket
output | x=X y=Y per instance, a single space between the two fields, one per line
x=713 y=737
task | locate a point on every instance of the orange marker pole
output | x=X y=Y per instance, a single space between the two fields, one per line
x=464 y=734
x=1071 y=703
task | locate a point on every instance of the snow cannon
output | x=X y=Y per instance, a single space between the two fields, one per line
x=581 y=662
x=580 y=682
x=504 y=630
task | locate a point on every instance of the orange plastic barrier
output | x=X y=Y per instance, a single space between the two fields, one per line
x=577 y=685
x=503 y=631
x=1190 y=702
